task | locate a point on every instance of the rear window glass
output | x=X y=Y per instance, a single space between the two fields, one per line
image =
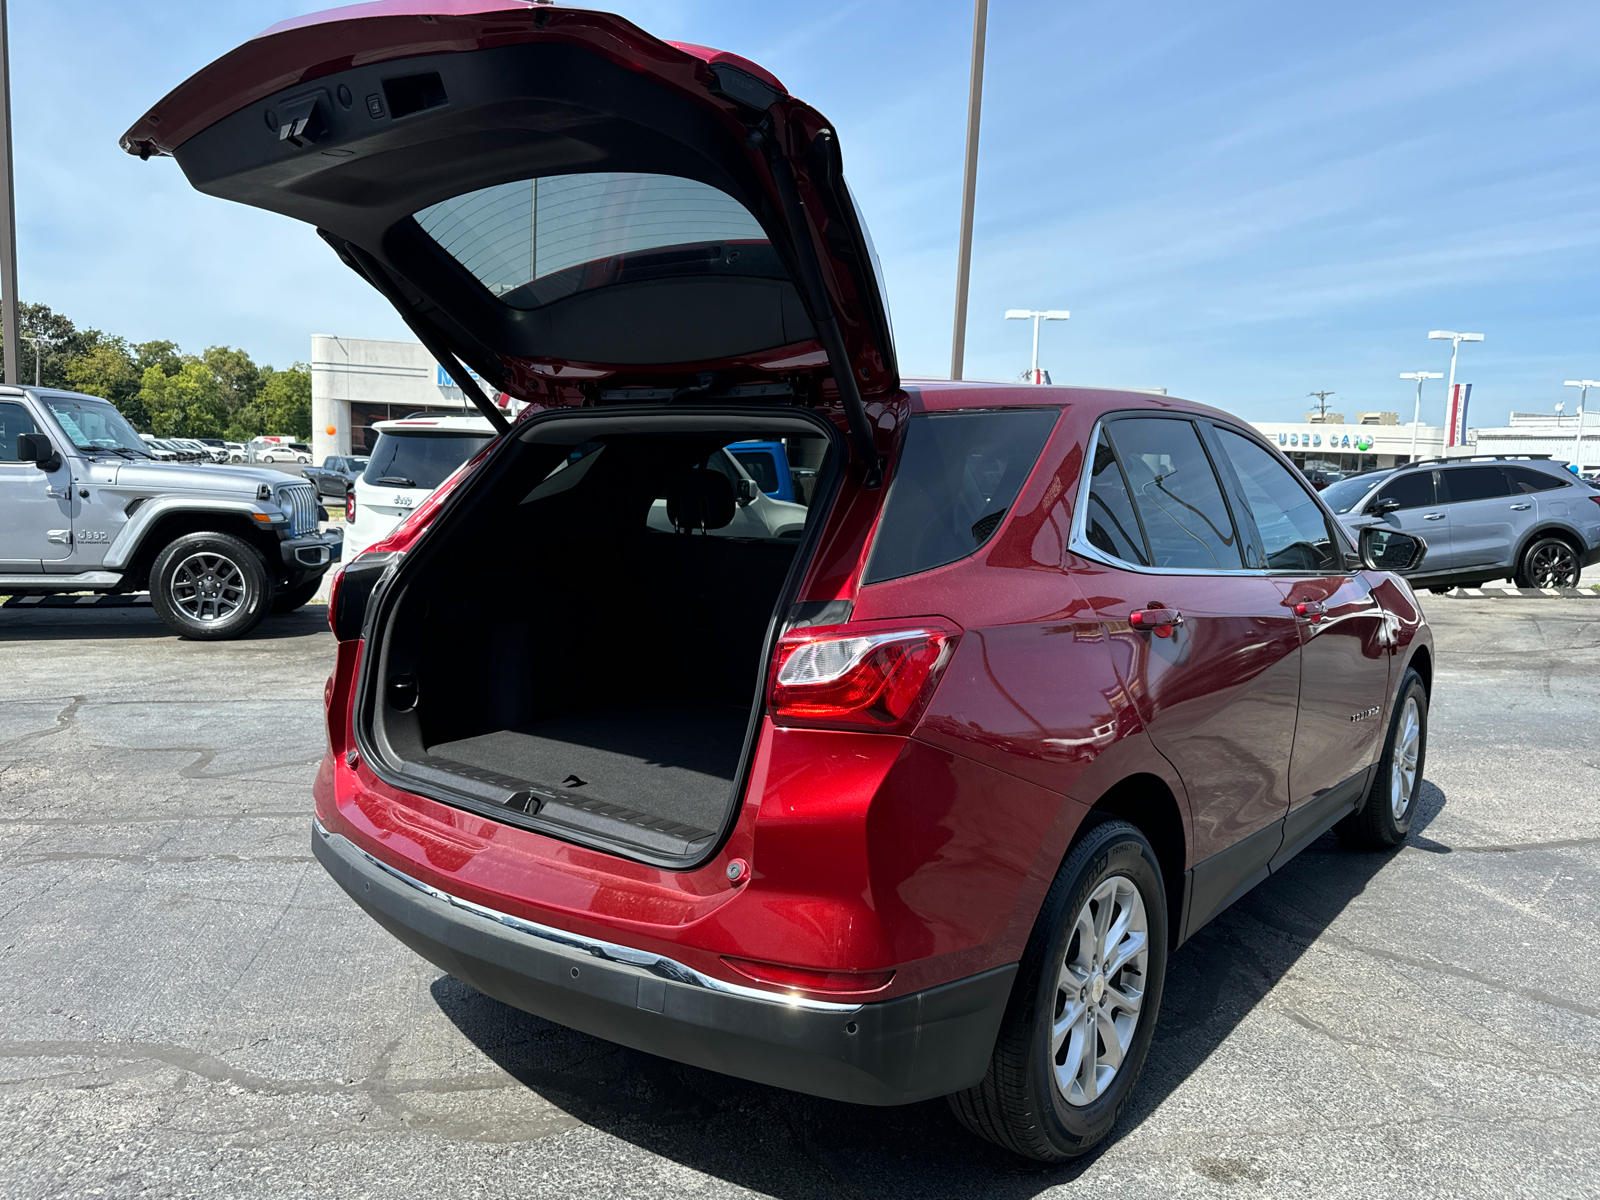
x=958 y=475
x=536 y=241
x=413 y=460
x=1461 y=484
x=1525 y=480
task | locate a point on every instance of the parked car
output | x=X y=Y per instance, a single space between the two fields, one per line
x=336 y=475
x=915 y=804
x=216 y=447
x=236 y=452
x=157 y=449
x=85 y=507
x=1484 y=518
x=412 y=456
x=276 y=450
x=756 y=513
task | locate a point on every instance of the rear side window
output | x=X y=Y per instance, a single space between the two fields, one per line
x=958 y=475
x=760 y=466
x=1523 y=480
x=1110 y=523
x=412 y=460
x=1294 y=533
x=1460 y=484
x=1186 y=521
x=1412 y=490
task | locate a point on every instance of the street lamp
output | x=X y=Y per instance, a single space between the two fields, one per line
x=36 y=341
x=1455 y=340
x=1037 y=315
x=1577 y=448
x=1416 y=419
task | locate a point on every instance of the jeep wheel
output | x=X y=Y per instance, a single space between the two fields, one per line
x=296 y=597
x=210 y=586
x=1083 y=1008
x=1548 y=563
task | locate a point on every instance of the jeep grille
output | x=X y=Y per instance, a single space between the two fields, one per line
x=301 y=501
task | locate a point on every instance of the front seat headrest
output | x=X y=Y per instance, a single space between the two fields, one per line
x=700 y=499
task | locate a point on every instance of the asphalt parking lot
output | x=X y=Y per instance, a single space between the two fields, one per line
x=188 y=1006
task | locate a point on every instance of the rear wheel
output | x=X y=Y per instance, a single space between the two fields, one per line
x=1385 y=816
x=1083 y=1009
x=1549 y=562
x=210 y=586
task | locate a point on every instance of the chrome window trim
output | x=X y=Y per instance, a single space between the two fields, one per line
x=642 y=962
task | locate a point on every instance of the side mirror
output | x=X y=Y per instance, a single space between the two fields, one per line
x=1390 y=550
x=1379 y=507
x=37 y=449
x=747 y=491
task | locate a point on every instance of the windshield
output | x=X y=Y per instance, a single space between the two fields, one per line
x=1347 y=493
x=94 y=425
x=420 y=460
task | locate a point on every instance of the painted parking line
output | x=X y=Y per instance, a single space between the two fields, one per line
x=1521 y=594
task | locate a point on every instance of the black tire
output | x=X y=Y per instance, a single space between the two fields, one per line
x=287 y=602
x=210 y=587
x=1020 y=1105
x=1440 y=591
x=1549 y=562
x=1390 y=805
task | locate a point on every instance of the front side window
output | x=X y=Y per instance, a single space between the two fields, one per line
x=410 y=460
x=1347 y=493
x=1294 y=533
x=535 y=241
x=1414 y=489
x=1175 y=490
x=958 y=475
x=14 y=422
x=1461 y=484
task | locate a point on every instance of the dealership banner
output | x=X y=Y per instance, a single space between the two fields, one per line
x=1456 y=422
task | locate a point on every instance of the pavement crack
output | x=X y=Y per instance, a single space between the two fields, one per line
x=65 y=719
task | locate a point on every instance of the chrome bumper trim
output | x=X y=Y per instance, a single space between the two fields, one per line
x=641 y=961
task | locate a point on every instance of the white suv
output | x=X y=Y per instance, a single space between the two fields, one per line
x=412 y=457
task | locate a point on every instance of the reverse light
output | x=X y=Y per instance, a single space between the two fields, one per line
x=809 y=978
x=858 y=677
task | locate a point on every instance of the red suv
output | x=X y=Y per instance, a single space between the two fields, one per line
x=915 y=802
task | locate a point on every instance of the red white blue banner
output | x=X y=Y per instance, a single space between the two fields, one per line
x=1456 y=418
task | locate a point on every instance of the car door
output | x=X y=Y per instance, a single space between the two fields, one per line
x=35 y=505
x=1482 y=520
x=1413 y=507
x=1345 y=637
x=1218 y=689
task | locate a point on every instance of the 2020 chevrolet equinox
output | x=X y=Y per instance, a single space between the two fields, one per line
x=916 y=803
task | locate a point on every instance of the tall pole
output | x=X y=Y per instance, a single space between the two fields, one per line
x=1036 y=318
x=1583 y=395
x=1416 y=419
x=8 y=216
x=969 y=187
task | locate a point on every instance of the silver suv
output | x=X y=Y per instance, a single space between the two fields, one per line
x=1487 y=518
x=84 y=507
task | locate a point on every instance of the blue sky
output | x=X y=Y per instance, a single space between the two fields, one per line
x=1239 y=201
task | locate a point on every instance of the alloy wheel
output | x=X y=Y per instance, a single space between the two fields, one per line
x=1403 y=768
x=1099 y=991
x=1553 y=564
x=208 y=587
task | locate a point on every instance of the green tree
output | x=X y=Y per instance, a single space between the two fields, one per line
x=106 y=369
x=238 y=376
x=283 y=405
x=188 y=404
x=159 y=354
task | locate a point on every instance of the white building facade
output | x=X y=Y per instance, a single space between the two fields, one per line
x=1355 y=447
x=357 y=381
x=1555 y=434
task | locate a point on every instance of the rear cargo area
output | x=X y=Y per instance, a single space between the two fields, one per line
x=582 y=650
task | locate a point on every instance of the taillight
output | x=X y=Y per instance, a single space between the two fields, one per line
x=350 y=506
x=809 y=978
x=861 y=677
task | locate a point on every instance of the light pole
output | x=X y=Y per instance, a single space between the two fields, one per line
x=969 y=187
x=8 y=216
x=1037 y=315
x=1577 y=447
x=35 y=341
x=1455 y=340
x=1416 y=420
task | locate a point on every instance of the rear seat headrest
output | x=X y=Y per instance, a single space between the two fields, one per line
x=700 y=499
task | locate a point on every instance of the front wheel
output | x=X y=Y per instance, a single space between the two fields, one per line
x=210 y=586
x=1549 y=562
x=1083 y=1008
x=1385 y=815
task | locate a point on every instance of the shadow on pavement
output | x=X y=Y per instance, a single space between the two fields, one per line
x=139 y=623
x=798 y=1147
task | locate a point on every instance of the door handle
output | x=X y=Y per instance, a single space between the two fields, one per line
x=1311 y=610
x=62 y=537
x=1520 y=507
x=1156 y=619
x=1433 y=516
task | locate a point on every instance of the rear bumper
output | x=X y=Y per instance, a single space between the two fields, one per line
x=896 y=1051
